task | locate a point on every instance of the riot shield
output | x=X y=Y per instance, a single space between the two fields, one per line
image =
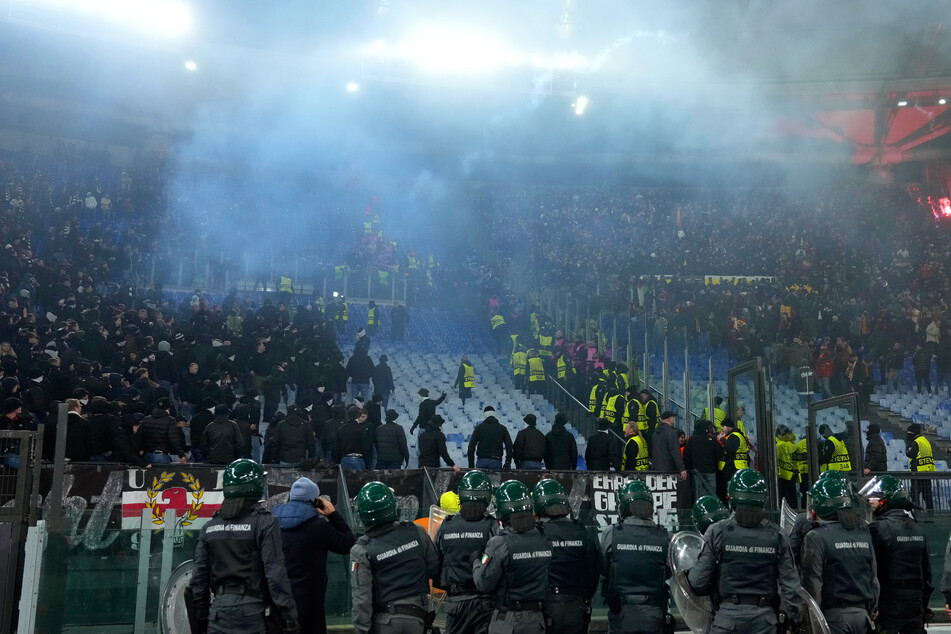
x=813 y=621
x=697 y=612
x=787 y=517
x=437 y=515
x=173 y=617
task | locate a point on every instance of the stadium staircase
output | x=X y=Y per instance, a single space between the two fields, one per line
x=429 y=358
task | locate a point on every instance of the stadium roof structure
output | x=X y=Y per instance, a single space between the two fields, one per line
x=694 y=80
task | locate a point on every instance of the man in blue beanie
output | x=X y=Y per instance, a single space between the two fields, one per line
x=310 y=527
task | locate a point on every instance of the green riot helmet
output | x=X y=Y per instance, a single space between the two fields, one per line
x=631 y=492
x=831 y=495
x=475 y=486
x=512 y=497
x=832 y=473
x=747 y=488
x=550 y=499
x=707 y=511
x=244 y=479
x=376 y=504
x=887 y=490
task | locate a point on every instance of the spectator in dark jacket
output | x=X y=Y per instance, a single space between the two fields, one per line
x=701 y=454
x=189 y=391
x=665 y=454
x=222 y=439
x=127 y=443
x=921 y=361
x=242 y=416
x=289 y=441
x=529 y=448
x=353 y=443
x=602 y=453
x=427 y=408
x=197 y=425
x=561 y=449
x=488 y=440
x=78 y=433
x=432 y=445
x=383 y=380
x=391 y=449
x=328 y=432
x=161 y=435
x=876 y=455
x=360 y=370
x=103 y=426
x=310 y=528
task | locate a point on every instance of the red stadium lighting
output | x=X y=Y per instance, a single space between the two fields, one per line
x=944 y=207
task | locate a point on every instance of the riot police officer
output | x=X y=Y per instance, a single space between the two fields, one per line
x=238 y=552
x=573 y=576
x=746 y=563
x=707 y=511
x=634 y=564
x=467 y=610
x=838 y=560
x=390 y=568
x=515 y=565
x=805 y=522
x=901 y=555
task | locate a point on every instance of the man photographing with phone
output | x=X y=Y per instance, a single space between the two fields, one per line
x=310 y=528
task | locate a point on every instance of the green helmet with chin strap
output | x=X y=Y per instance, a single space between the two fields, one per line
x=831 y=495
x=747 y=488
x=512 y=497
x=707 y=511
x=244 y=478
x=633 y=491
x=888 y=490
x=548 y=493
x=376 y=504
x=475 y=486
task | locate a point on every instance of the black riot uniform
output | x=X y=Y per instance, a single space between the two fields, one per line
x=515 y=569
x=390 y=569
x=904 y=571
x=468 y=611
x=634 y=563
x=235 y=558
x=797 y=535
x=573 y=575
x=839 y=571
x=752 y=571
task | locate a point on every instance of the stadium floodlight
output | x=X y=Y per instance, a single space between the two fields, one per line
x=448 y=49
x=902 y=103
x=580 y=104
x=353 y=87
x=191 y=65
x=942 y=101
x=165 y=18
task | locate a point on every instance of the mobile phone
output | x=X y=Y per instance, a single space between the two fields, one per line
x=318 y=503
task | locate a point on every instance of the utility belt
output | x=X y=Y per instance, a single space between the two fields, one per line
x=843 y=605
x=904 y=585
x=569 y=591
x=406 y=610
x=522 y=606
x=749 y=599
x=237 y=588
x=457 y=589
x=657 y=600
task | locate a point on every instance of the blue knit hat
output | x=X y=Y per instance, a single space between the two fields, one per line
x=304 y=490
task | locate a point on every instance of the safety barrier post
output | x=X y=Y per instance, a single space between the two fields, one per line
x=142 y=584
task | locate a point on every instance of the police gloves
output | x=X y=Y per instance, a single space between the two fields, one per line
x=474 y=556
x=290 y=627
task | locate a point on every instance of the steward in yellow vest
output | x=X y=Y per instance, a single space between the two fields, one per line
x=536 y=373
x=373 y=318
x=565 y=368
x=286 y=286
x=465 y=379
x=598 y=391
x=833 y=454
x=635 y=456
x=922 y=461
x=736 y=451
x=519 y=367
x=785 y=465
x=718 y=413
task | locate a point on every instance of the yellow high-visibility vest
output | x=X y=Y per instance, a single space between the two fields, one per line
x=384 y=278
x=344 y=313
x=801 y=457
x=412 y=263
x=544 y=343
x=496 y=321
x=718 y=416
x=338 y=271
x=784 y=459
x=371 y=317
x=563 y=366
x=925 y=459
x=286 y=286
x=594 y=401
x=367 y=227
x=519 y=362
x=468 y=375
x=642 y=461
x=840 y=457
x=536 y=370
x=742 y=458
x=610 y=408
